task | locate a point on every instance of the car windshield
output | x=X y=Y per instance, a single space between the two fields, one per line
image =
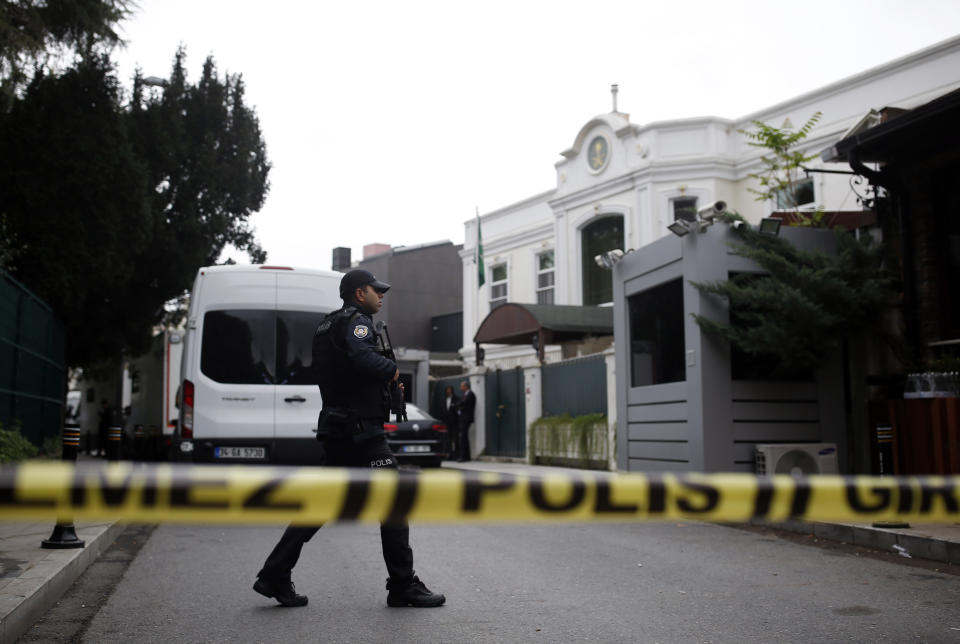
x=415 y=413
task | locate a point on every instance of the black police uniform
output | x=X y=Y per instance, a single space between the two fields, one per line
x=353 y=380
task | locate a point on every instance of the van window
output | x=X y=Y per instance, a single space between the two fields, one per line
x=259 y=347
x=238 y=347
x=295 y=331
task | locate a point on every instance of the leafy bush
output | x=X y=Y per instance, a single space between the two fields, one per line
x=580 y=441
x=14 y=447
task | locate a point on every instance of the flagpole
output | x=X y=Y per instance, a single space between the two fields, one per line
x=478 y=262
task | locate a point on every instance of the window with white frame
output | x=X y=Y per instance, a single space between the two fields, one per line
x=684 y=208
x=797 y=195
x=545 y=277
x=498 y=285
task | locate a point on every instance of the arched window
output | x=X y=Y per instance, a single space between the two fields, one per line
x=595 y=238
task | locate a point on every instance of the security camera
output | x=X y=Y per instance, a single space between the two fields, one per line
x=710 y=211
x=609 y=258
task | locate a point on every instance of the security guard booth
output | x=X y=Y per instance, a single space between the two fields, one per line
x=678 y=404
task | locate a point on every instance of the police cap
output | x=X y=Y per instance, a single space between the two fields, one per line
x=358 y=278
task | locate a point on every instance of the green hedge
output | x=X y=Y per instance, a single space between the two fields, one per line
x=578 y=441
x=14 y=447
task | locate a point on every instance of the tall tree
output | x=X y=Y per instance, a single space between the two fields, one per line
x=73 y=197
x=108 y=208
x=36 y=33
x=207 y=167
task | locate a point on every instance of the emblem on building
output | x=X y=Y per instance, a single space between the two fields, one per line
x=597 y=154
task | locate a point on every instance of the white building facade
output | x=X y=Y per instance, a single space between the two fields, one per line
x=620 y=184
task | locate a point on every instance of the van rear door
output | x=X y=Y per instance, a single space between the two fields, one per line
x=303 y=299
x=235 y=381
x=235 y=394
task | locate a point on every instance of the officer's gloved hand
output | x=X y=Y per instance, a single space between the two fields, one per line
x=396 y=400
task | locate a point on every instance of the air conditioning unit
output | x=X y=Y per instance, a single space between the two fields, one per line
x=797 y=458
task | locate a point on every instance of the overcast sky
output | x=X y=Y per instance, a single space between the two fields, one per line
x=391 y=121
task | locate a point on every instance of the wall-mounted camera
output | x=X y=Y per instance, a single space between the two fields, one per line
x=710 y=211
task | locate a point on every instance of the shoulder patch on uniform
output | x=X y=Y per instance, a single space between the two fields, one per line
x=361 y=331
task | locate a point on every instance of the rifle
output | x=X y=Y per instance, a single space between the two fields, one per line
x=398 y=404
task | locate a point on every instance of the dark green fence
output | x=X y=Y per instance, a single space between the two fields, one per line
x=576 y=387
x=32 y=371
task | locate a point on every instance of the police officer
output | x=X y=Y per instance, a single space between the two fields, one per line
x=354 y=382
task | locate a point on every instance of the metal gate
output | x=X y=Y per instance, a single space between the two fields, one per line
x=506 y=413
x=575 y=387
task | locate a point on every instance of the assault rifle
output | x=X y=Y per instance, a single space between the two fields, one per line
x=398 y=404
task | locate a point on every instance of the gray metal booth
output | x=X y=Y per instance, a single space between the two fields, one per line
x=678 y=404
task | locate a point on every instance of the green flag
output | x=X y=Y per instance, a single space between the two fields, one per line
x=478 y=255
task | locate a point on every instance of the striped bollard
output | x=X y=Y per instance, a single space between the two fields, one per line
x=64 y=534
x=114 y=438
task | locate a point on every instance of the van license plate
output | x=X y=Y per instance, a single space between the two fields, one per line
x=416 y=448
x=240 y=452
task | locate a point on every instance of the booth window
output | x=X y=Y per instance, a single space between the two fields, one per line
x=498 y=285
x=599 y=237
x=545 y=279
x=656 y=335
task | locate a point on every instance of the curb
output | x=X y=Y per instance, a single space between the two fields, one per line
x=33 y=595
x=919 y=546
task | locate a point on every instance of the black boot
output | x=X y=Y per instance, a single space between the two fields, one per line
x=282 y=591
x=412 y=592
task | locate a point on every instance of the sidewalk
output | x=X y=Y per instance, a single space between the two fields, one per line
x=33 y=579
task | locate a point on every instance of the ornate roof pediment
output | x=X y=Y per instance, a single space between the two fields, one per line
x=616 y=121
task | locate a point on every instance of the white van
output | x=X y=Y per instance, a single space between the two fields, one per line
x=248 y=394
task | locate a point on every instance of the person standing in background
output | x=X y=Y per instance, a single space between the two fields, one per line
x=465 y=409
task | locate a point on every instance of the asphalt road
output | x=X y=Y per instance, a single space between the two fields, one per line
x=557 y=583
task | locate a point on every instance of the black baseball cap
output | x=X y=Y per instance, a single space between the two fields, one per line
x=358 y=278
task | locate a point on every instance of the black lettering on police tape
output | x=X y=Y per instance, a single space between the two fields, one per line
x=764 y=498
x=884 y=496
x=403 y=500
x=905 y=502
x=605 y=505
x=260 y=499
x=711 y=497
x=946 y=491
x=112 y=495
x=354 y=500
x=9 y=496
x=539 y=499
x=182 y=485
x=474 y=489
x=801 y=498
x=658 y=495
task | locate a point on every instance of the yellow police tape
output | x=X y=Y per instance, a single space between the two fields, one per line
x=311 y=495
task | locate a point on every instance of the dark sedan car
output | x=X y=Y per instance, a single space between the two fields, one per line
x=422 y=439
